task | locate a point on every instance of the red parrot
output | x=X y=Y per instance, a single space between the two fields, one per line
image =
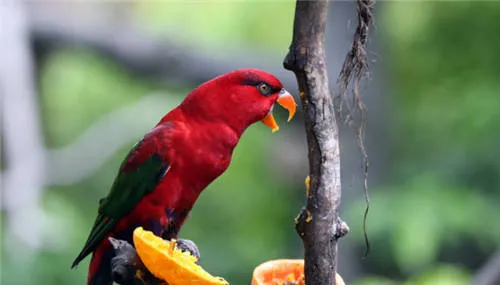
x=162 y=176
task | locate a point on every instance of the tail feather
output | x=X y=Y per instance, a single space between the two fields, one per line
x=97 y=236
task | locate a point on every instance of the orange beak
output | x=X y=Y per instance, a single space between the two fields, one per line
x=286 y=101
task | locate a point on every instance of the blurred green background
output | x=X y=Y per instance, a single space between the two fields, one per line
x=433 y=117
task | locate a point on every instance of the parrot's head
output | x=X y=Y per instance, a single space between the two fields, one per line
x=240 y=98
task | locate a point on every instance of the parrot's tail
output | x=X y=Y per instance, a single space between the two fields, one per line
x=100 y=266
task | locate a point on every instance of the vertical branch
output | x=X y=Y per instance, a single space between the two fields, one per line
x=317 y=223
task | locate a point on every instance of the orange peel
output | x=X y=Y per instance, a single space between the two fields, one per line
x=166 y=262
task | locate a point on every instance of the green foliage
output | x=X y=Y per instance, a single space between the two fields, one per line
x=443 y=67
x=231 y=23
x=442 y=275
x=78 y=86
x=445 y=70
x=422 y=215
x=375 y=280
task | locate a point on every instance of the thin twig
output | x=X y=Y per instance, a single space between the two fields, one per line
x=354 y=69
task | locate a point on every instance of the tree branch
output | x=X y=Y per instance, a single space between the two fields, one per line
x=318 y=223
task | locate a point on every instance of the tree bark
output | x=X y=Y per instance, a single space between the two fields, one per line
x=317 y=224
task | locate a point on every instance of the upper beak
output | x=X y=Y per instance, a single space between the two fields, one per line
x=286 y=101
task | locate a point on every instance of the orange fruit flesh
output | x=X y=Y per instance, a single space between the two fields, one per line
x=283 y=271
x=166 y=262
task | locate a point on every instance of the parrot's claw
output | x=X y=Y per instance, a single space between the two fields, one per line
x=119 y=245
x=190 y=246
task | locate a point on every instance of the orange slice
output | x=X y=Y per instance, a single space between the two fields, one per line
x=166 y=262
x=283 y=271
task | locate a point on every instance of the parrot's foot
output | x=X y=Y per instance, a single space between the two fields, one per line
x=190 y=246
x=127 y=268
x=124 y=262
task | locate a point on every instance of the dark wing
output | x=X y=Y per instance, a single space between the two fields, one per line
x=139 y=174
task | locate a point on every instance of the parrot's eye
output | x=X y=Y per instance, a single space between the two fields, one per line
x=264 y=89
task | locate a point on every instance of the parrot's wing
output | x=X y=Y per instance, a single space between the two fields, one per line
x=140 y=172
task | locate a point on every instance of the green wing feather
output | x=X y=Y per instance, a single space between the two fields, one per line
x=128 y=189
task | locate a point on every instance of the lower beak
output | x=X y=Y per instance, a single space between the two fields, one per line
x=286 y=101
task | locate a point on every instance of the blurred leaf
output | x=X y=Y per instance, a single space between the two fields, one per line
x=442 y=275
x=373 y=280
x=419 y=216
x=77 y=87
x=445 y=72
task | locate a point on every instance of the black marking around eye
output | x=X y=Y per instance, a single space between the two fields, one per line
x=274 y=89
x=252 y=81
